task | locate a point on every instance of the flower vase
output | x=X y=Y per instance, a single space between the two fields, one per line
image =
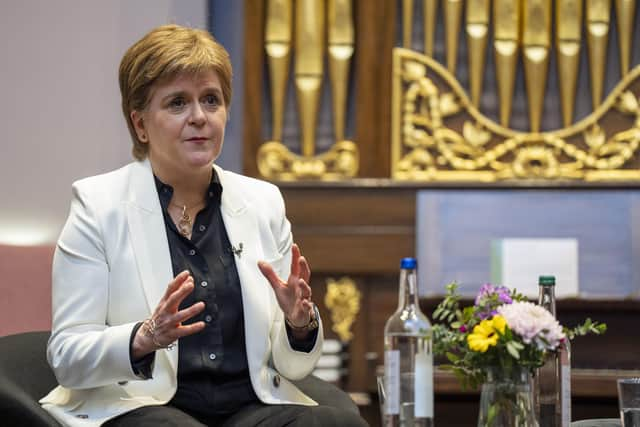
x=506 y=399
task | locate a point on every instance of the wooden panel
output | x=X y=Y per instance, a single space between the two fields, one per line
x=347 y=230
x=355 y=254
x=334 y=206
x=253 y=83
x=375 y=38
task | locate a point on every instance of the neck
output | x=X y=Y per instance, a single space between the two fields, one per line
x=188 y=188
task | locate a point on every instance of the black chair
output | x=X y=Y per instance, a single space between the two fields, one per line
x=25 y=377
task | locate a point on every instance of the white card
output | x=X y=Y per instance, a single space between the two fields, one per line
x=520 y=261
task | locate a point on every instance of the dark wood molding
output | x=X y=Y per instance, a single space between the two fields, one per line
x=253 y=84
x=375 y=39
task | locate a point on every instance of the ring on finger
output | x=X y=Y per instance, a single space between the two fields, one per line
x=150 y=331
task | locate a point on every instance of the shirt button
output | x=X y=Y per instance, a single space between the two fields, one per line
x=210 y=193
x=204 y=284
x=276 y=380
x=208 y=318
x=212 y=356
x=192 y=252
x=202 y=227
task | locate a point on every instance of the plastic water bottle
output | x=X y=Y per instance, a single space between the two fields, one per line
x=408 y=358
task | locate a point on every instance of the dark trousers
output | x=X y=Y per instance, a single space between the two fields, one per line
x=335 y=409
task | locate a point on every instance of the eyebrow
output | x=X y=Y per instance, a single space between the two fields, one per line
x=177 y=93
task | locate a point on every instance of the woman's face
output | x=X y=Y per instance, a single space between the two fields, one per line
x=183 y=124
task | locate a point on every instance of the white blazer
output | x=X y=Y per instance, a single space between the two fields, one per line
x=111 y=267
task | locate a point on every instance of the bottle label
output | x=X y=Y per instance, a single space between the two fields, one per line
x=423 y=385
x=565 y=377
x=392 y=381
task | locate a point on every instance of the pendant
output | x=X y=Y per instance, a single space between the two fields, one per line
x=184 y=225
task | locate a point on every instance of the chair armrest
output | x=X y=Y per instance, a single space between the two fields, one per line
x=20 y=409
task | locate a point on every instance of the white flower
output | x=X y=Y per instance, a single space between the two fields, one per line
x=533 y=324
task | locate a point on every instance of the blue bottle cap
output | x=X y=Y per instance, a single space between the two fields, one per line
x=408 y=263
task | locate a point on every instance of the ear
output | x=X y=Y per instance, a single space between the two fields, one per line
x=138 y=125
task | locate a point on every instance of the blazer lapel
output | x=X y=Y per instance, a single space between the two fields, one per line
x=149 y=238
x=242 y=229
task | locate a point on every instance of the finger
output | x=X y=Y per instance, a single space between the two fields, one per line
x=305 y=289
x=191 y=329
x=295 y=256
x=174 y=300
x=175 y=283
x=270 y=274
x=305 y=270
x=307 y=305
x=188 y=312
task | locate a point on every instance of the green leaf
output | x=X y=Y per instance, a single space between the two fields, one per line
x=453 y=358
x=513 y=350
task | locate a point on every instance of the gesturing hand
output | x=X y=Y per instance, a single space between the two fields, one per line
x=167 y=319
x=294 y=295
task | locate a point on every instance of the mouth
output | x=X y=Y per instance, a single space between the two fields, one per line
x=197 y=139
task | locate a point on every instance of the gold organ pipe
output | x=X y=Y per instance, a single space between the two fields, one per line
x=341 y=46
x=278 y=49
x=407 y=23
x=308 y=67
x=598 y=17
x=625 y=14
x=568 y=38
x=452 y=20
x=430 y=11
x=536 y=40
x=477 y=27
x=506 y=20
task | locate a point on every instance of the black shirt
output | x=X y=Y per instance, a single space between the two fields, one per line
x=213 y=372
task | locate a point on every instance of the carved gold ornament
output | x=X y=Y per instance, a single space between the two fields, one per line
x=343 y=301
x=303 y=31
x=438 y=135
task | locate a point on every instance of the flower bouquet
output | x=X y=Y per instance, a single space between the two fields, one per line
x=502 y=338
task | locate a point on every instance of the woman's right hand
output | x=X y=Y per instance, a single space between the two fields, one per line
x=168 y=319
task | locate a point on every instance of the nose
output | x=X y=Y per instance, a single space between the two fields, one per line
x=198 y=116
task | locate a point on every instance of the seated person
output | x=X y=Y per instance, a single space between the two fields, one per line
x=179 y=297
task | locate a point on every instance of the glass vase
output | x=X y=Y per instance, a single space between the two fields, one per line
x=506 y=399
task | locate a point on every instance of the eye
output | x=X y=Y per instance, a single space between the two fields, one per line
x=177 y=103
x=211 y=100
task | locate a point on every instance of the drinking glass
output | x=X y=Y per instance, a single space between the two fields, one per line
x=629 y=401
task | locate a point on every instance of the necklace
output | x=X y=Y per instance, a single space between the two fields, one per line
x=185 y=222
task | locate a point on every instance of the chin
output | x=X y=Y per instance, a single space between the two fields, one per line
x=202 y=159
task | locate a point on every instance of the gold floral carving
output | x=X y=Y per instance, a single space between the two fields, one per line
x=438 y=135
x=343 y=301
x=277 y=162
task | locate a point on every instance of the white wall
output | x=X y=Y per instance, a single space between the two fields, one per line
x=60 y=116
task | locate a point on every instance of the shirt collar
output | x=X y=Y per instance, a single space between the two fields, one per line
x=165 y=191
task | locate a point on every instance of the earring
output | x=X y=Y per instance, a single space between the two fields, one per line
x=143 y=137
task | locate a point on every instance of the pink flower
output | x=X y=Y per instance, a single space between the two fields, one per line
x=533 y=324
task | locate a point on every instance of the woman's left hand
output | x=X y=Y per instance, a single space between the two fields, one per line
x=294 y=294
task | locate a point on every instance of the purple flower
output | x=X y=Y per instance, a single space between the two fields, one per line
x=463 y=329
x=489 y=298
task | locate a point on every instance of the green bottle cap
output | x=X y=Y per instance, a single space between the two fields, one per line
x=547 y=280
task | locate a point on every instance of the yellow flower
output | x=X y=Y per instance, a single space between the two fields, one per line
x=485 y=335
x=499 y=323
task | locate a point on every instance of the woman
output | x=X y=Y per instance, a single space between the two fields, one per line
x=162 y=312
